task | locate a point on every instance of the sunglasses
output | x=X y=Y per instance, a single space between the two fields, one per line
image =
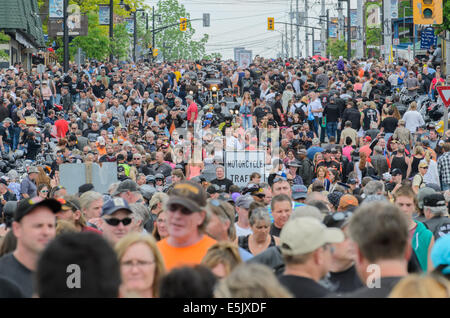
x=44 y=191
x=116 y=222
x=424 y=167
x=182 y=209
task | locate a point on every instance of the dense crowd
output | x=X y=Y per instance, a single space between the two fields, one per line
x=356 y=180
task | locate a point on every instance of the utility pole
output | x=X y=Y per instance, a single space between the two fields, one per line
x=313 y=46
x=306 y=30
x=328 y=26
x=282 y=45
x=291 y=14
x=297 y=28
x=340 y=21
x=387 y=22
x=111 y=26
x=349 y=33
x=153 y=32
x=286 y=41
x=66 y=36
x=360 y=23
x=134 y=37
x=322 y=32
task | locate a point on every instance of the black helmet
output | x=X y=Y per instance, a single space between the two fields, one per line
x=217 y=108
x=228 y=117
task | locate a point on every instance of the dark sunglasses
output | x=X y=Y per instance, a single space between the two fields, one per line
x=115 y=222
x=182 y=209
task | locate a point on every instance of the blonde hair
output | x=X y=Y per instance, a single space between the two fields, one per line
x=225 y=253
x=422 y=286
x=427 y=156
x=418 y=150
x=133 y=238
x=64 y=226
x=251 y=281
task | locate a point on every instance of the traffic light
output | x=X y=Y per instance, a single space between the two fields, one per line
x=270 y=24
x=183 y=24
x=427 y=11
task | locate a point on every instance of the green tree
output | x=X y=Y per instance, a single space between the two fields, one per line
x=212 y=56
x=121 y=44
x=445 y=26
x=173 y=43
x=4 y=38
x=337 y=48
x=96 y=44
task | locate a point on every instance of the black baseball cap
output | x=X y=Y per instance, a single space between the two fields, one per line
x=26 y=206
x=396 y=172
x=188 y=194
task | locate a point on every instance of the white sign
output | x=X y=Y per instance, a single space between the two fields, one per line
x=239 y=165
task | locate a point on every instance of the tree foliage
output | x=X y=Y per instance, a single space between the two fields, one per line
x=336 y=48
x=173 y=43
x=4 y=38
x=445 y=26
x=120 y=46
x=96 y=44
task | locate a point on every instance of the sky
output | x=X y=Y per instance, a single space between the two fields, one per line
x=243 y=23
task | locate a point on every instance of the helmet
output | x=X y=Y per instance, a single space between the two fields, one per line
x=208 y=116
x=159 y=176
x=217 y=108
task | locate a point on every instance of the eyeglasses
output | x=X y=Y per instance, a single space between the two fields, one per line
x=425 y=167
x=182 y=209
x=137 y=263
x=44 y=191
x=116 y=222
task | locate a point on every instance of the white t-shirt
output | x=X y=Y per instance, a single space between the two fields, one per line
x=413 y=119
x=432 y=175
x=242 y=232
x=316 y=105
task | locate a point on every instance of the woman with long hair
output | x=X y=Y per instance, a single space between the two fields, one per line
x=246 y=110
x=432 y=175
x=363 y=168
x=418 y=155
x=322 y=176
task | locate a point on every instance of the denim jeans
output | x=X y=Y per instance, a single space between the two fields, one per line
x=15 y=133
x=445 y=186
x=331 y=129
x=58 y=99
x=246 y=121
x=316 y=125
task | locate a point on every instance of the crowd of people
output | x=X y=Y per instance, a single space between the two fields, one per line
x=352 y=184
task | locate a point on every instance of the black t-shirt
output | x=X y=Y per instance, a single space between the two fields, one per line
x=275 y=231
x=332 y=112
x=223 y=184
x=4 y=132
x=369 y=116
x=343 y=282
x=389 y=124
x=386 y=286
x=276 y=106
x=16 y=272
x=302 y=287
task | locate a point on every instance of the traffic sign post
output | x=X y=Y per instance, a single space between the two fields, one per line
x=444 y=93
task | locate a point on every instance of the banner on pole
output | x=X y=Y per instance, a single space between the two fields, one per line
x=103 y=14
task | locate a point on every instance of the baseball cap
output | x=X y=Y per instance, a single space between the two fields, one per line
x=85 y=188
x=335 y=197
x=70 y=202
x=304 y=235
x=434 y=200
x=351 y=181
x=212 y=189
x=188 y=194
x=367 y=139
x=302 y=152
x=424 y=192
x=315 y=141
x=299 y=191
x=346 y=201
x=337 y=219
x=114 y=205
x=33 y=169
x=26 y=206
x=396 y=172
x=126 y=185
x=440 y=254
x=244 y=201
